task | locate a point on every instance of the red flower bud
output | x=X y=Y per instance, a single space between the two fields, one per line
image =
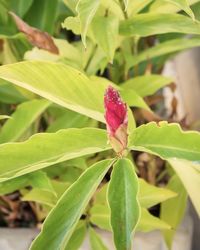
x=116 y=120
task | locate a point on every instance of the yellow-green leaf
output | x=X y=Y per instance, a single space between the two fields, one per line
x=166 y=140
x=86 y=10
x=45 y=149
x=64 y=217
x=147 y=84
x=189 y=174
x=155 y=23
x=149 y=222
x=105 y=31
x=22 y=118
x=173 y=210
x=59 y=83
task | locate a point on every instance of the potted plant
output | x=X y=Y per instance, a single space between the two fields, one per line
x=85 y=147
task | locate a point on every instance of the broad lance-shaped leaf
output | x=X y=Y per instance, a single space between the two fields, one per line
x=148 y=222
x=78 y=236
x=75 y=92
x=147 y=84
x=96 y=242
x=107 y=34
x=166 y=140
x=22 y=118
x=20 y=7
x=136 y=6
x=86 y=10
x=100 y=216
x=167 y=7
x=63 y=218
x=183 y=5
x=150 y=195
x=158 y=23
x=123 y=202
x=37 y=179
x=9 y=94
x=189 y=174
x=46 y=14
x=40 y=196
x=173 y=210
x=43 y=150
x=174 y=45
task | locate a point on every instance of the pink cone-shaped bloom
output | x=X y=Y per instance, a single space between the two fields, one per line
x=116 y=119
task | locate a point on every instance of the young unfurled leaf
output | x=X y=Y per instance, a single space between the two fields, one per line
x=173 y=210
x=35 y=36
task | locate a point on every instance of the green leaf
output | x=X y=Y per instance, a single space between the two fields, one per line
x=41 y=196
x=46 y=15
x=163 y=7
x=77 y=237
x=152 y=23
x=40 y=180
x=149 y=222
x=76 y=92
x=133 y=99
x=45 y=149
x=189 y=174
x=183 y=5
x=3 y=117
x=11 y=186
x=71 y=4
x=64 y=217
x=100 y=216
x=96 y=242
x=146 y=85
x=137 y=5
x=10 y=95
x=163 y=48
x=60 y=187
x=173 y=210
x=150 y=195
x=113 y=8
x=123 y=202
x=20 y=7
x=166 y=140
x=22 y=119
x=69 y=119
x=86 y=10
x=107 y=34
